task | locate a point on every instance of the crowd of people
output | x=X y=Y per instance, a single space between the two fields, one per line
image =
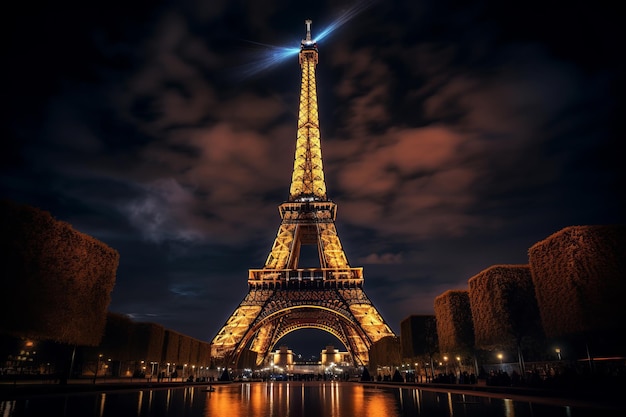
x=547 y=376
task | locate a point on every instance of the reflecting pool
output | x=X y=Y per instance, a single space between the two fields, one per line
x=293 y=399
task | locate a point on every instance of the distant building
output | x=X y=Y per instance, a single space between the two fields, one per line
x=283 y=358
x=330 y=356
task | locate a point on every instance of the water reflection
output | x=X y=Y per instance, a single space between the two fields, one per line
x=280 y=399
x=103 y=398
x=287 y=399
x=139 y=402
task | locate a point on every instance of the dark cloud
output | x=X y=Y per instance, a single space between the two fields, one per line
x=454 y=137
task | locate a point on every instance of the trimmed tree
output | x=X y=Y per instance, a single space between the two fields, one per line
x=116 y=342
x=170 y=347
x=193 y=352
x=578 y=274
x=385 y=352
x=184 y=349
x=419 y=340
x=455 y=327
x=204 y=354
x=148 y=341
x=504 y=309
x=58 y=281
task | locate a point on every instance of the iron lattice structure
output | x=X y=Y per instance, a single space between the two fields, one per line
x=283 y=297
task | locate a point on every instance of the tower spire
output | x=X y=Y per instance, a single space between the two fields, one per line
x=307 y=180
x=308 y=29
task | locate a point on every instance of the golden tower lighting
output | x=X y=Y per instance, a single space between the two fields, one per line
x=283 y=296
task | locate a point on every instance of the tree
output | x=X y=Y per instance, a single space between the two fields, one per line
x=184 y=349
x=148 y=340
x=385 y=352
x=204 y=354
x=578 y=274
x=455 y=327
x=193 y=352
x=419 y=339
x=504 y=308
x=58 y=282
x=116 y=342
x=170 y=346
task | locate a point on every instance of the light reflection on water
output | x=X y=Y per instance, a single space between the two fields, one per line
x=286 y=399
x=300 y=399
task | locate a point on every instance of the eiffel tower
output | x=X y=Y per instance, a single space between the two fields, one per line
x=282 y=297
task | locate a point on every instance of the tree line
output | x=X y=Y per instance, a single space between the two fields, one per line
x=566 y=303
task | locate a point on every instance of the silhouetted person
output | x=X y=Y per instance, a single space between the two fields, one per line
x=397 y=377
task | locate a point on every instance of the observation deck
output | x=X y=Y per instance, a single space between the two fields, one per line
x=306 y=278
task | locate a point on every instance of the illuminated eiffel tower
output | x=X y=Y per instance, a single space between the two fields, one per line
x=282 y=297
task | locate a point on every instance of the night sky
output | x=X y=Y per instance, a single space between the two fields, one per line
x=455 y=135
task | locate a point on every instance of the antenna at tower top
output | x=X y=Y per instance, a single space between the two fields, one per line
x=307 y=43
x=308 y=29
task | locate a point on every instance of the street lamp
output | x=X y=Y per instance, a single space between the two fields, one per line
x=107 y=366
x=95 y=374
x=558 y=353
x=500 y=356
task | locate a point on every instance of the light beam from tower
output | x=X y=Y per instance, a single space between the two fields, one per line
x=272 y=55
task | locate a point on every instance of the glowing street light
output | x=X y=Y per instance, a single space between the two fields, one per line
x=500 y=356
x=95 y=374
x=558 y=353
